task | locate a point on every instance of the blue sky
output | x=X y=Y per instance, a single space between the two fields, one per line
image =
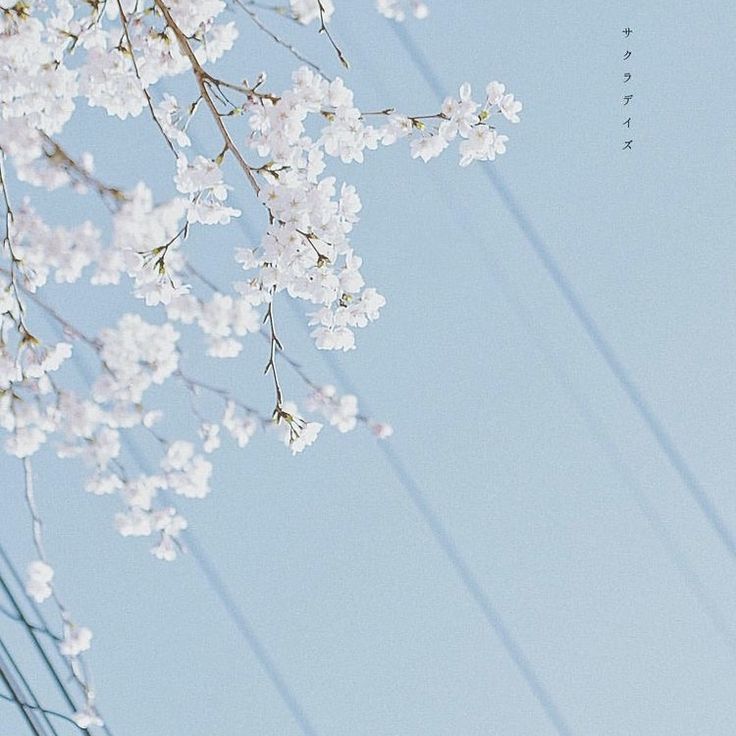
x=573 y=522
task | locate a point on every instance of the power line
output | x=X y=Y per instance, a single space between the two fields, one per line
x=235 y=612
x=609 y=447
x=449 y=547
x=34 y=634
x=246 y=630
x=45 y=711
x=597 y=430
x=35 y=703
x=591 y=328
x=14 y=689
x=445 y=541
x=447 y=544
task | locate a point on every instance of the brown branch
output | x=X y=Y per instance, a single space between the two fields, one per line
x=203 y=80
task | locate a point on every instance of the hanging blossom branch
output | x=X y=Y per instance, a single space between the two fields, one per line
x=285 y=144
x=305 y=250
x=76 y=639
x=141 y=517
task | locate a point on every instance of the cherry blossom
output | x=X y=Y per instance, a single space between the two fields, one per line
x=290 y=150
x=306 y=11
x=39 y=577
x=305 y=251
x=396 y=9
x=87 y=718
x=77 y=639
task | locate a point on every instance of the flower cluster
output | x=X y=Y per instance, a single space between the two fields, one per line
x=38 y=580
x=396 y=9
x=136 y=355
x=340 y=411
x=306 y=249
x=464 y=117
x=121 y=51
x=290 y=148
x=75 y=640
x=202 y=180
x=307 y=11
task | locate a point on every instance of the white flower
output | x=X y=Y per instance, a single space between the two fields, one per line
x=210 y=434
x=87 y=718
x=428 y=147
x=178 y=456
x=25 y=441
x=135 y=522
x=103 y=485
x=203 y=180
x=382 y=430
x=241 y=429
x=56 y=356
x=137 y=356
x=495 y=92
x=306 y=11
x=461 y=114
x=510 y=108
x=38 y=580
x=340 y=411
x=294 y=431
x=165 y=550
x=171 y=117
x=77 y=639
x=108 y=80
x=305 y=437
x=482 y=145
x=186 y=473
x=420 y=9
x=168 y=521
x=395 y=9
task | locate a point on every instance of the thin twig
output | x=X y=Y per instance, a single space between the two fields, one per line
x=69 y=328
x=14 y=617
x=280 y=41
x=271 y=365
x=58 y=156
x=203 y=78
x=14 y=259
x=45 y=711
x=323 y=29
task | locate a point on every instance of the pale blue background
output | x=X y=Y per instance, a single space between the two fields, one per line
x=510 y=422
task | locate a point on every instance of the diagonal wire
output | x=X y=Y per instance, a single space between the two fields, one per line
x=29 y=714
x=441 y=535
x=34 y=634
x=595 y=334
x=595 y=425
x=38 y=709
x=446 y=543
x=455 y=557
x=598 y=432
x=246 y=630
x=35 y=704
